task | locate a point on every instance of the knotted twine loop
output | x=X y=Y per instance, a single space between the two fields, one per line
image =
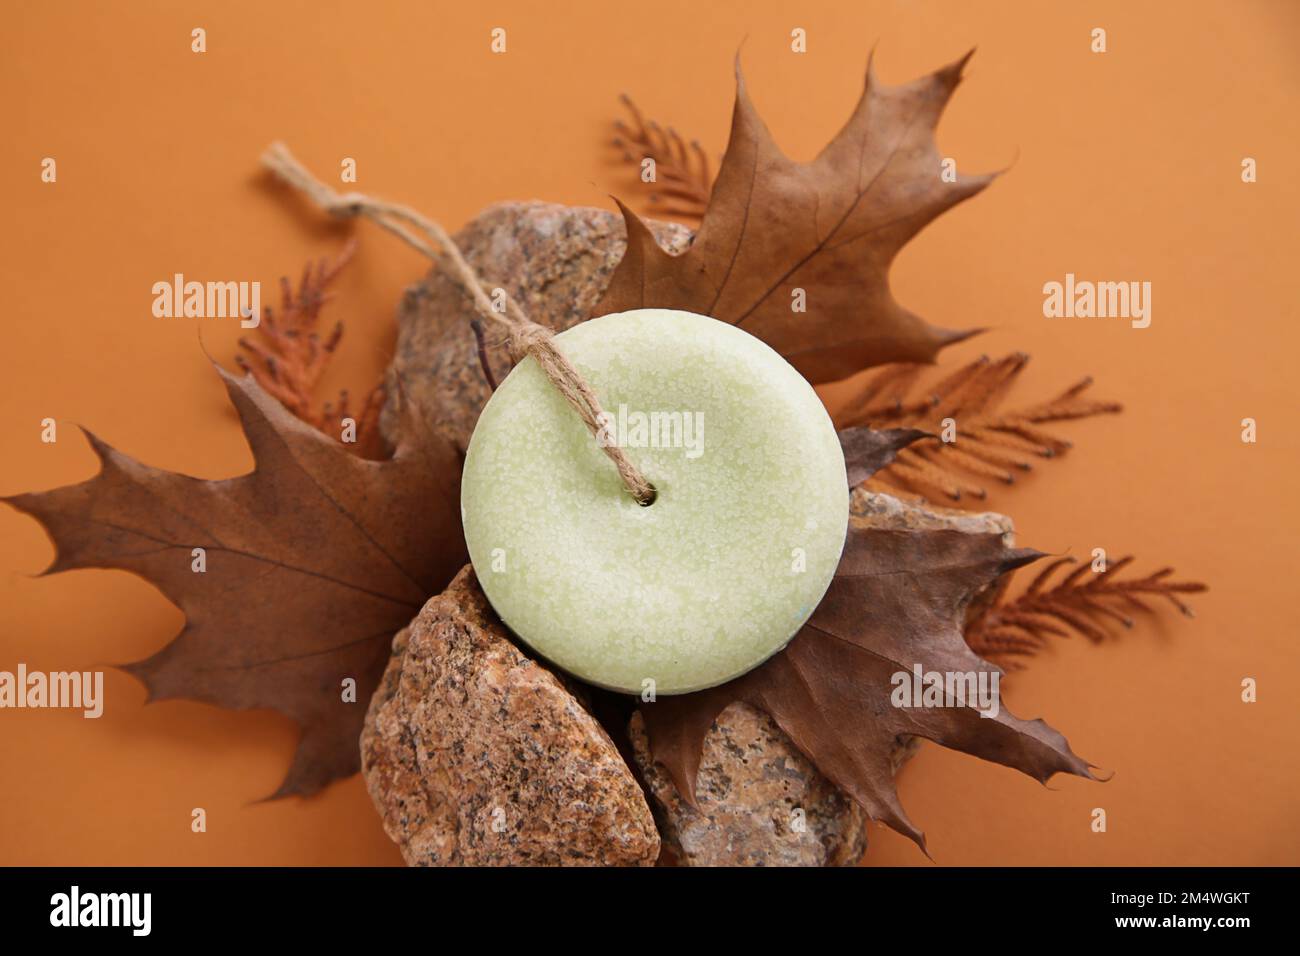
x=524 y=337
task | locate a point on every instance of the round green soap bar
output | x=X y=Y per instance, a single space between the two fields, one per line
x=731 y=558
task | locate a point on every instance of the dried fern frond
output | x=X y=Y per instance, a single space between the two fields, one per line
x=990 y=444
x=1082 y=601
x=683 y=179
x=289 y=356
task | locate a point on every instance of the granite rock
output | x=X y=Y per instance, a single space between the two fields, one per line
x=762 y=803
x=475 y=755
x=902 y=514
x=554 y=261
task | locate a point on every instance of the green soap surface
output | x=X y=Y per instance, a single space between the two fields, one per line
x=730 y=560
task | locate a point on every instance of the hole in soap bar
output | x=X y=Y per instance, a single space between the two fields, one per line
x=654 y=494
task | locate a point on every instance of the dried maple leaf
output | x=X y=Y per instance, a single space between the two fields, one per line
x=867 y=450
x=682 y=178
x=288 y=357
x=314 y=560
x=830 y=228
x=898 y=600
x=1081 y=601
x=990 y=442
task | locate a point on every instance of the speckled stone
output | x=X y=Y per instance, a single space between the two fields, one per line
x=762 y=801
x=901 y=514
x=474 y=755
x=553 y=260
x=752 y=778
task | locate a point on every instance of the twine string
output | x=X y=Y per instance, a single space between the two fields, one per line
x=524 y=337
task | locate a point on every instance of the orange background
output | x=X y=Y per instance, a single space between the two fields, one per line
x=1124 y=166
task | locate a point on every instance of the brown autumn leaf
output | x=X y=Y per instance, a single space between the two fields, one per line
x=867 y=450
x=314 y=560
x=830 y=227
x=898 y=600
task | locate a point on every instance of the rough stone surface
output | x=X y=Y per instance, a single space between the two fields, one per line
x=891 y=513
x=752 y=778
x=554 y=261
x=475 y=755
x=754 y=790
